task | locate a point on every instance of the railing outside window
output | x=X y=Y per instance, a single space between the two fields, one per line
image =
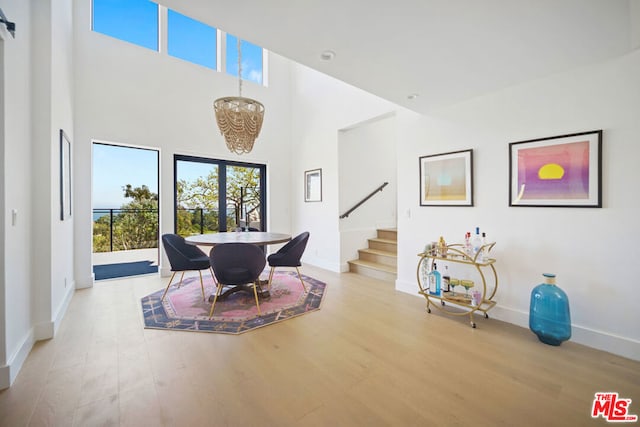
x=127 y=229
x=204 y=221
x=197 y=221
x=124 y=229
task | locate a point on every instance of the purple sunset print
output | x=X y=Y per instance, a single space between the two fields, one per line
x=554 y=172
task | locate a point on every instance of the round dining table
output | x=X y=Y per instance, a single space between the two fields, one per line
x=255 y=237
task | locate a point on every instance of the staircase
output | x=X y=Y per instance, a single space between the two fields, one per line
x=380 y=259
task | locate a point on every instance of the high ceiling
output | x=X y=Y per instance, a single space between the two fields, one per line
x=446 y=51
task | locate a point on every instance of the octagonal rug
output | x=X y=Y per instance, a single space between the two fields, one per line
x=184 y=309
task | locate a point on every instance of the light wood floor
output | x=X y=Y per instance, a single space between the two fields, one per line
x=370 y=357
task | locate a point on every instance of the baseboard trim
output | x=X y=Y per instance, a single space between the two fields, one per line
x=5 y=377
x=62 y=308
x=600 y=340
x=40 y=331
x=317 y=262
x=43 y=330
x=87 y=283
x=9 y=372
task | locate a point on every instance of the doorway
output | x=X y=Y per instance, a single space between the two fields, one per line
x=125 y=210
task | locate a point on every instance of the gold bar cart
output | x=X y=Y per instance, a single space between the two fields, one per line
x=459 y=305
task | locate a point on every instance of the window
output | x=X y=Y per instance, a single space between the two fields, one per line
x=251 y=59
x=138 y=22
x=218 y=195
x=134 y=21
x=191 y=40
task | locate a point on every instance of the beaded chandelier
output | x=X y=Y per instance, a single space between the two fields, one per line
x=239 y=119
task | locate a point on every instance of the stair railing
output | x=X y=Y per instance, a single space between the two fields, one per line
x=357 y=205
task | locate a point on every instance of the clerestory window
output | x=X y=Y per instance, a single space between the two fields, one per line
x=251 y=59
x=143 y=22
x=134 y=21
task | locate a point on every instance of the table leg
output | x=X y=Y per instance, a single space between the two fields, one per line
x=262 y=294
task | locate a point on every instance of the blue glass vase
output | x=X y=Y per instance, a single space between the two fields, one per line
x=549 y=316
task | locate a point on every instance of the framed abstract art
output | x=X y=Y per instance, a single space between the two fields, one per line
x=559 y=171
x=447 y=179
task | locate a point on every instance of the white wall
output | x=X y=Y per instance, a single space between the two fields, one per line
x=592 y=251
x=4 y=371
x=321 y=107
x=15 y=284
x=51 y=108
x=62 y=281
x=131 y=95
x=366 y=159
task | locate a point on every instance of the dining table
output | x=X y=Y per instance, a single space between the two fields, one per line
x=253 y=237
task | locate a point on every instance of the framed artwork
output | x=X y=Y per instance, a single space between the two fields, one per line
x=313 y=185
x=65 y=176
x=559 y=171
x=447 y=179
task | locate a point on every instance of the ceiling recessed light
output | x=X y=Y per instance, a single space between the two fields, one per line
x=413 y=96
x=327 y=55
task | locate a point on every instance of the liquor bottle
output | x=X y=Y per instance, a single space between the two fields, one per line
x=483 y=251
x=434 y=281
x=476 y=243
x=442 y=247
x=467 y=243
x=446 y=280
x=425 y=274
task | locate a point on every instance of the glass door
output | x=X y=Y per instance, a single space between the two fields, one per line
x=217 y=195
x=125 y=210
x=244 y=203
x=197 y=197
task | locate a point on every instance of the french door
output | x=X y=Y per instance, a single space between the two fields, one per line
x=213 y=195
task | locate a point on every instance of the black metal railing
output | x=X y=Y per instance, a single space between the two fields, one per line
x=197 y=221
x=361 y=202
x=124 y=229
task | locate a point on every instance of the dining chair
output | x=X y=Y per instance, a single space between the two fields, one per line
x=289 y=256
x=184 y=257
x=236 y=264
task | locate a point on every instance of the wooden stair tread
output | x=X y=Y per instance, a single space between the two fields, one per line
x=380 y=259
x=379 y=252
x=374 y=265
x=379 y=240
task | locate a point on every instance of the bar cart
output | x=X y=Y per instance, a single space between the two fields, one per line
x=460 y=304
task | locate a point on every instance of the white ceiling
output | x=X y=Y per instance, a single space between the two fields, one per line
x=444 y=50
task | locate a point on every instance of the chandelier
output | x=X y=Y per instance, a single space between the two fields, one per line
x=239 y=119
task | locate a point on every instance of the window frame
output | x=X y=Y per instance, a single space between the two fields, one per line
x=222 y=187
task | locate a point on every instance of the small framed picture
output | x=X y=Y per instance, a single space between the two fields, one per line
x=65 y=176
x=559 y=171
x=313 y=185
x=447 y=179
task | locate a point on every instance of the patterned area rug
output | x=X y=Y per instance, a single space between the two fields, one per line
x=184 y=309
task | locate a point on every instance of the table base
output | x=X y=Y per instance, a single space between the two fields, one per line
x=262 y=294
